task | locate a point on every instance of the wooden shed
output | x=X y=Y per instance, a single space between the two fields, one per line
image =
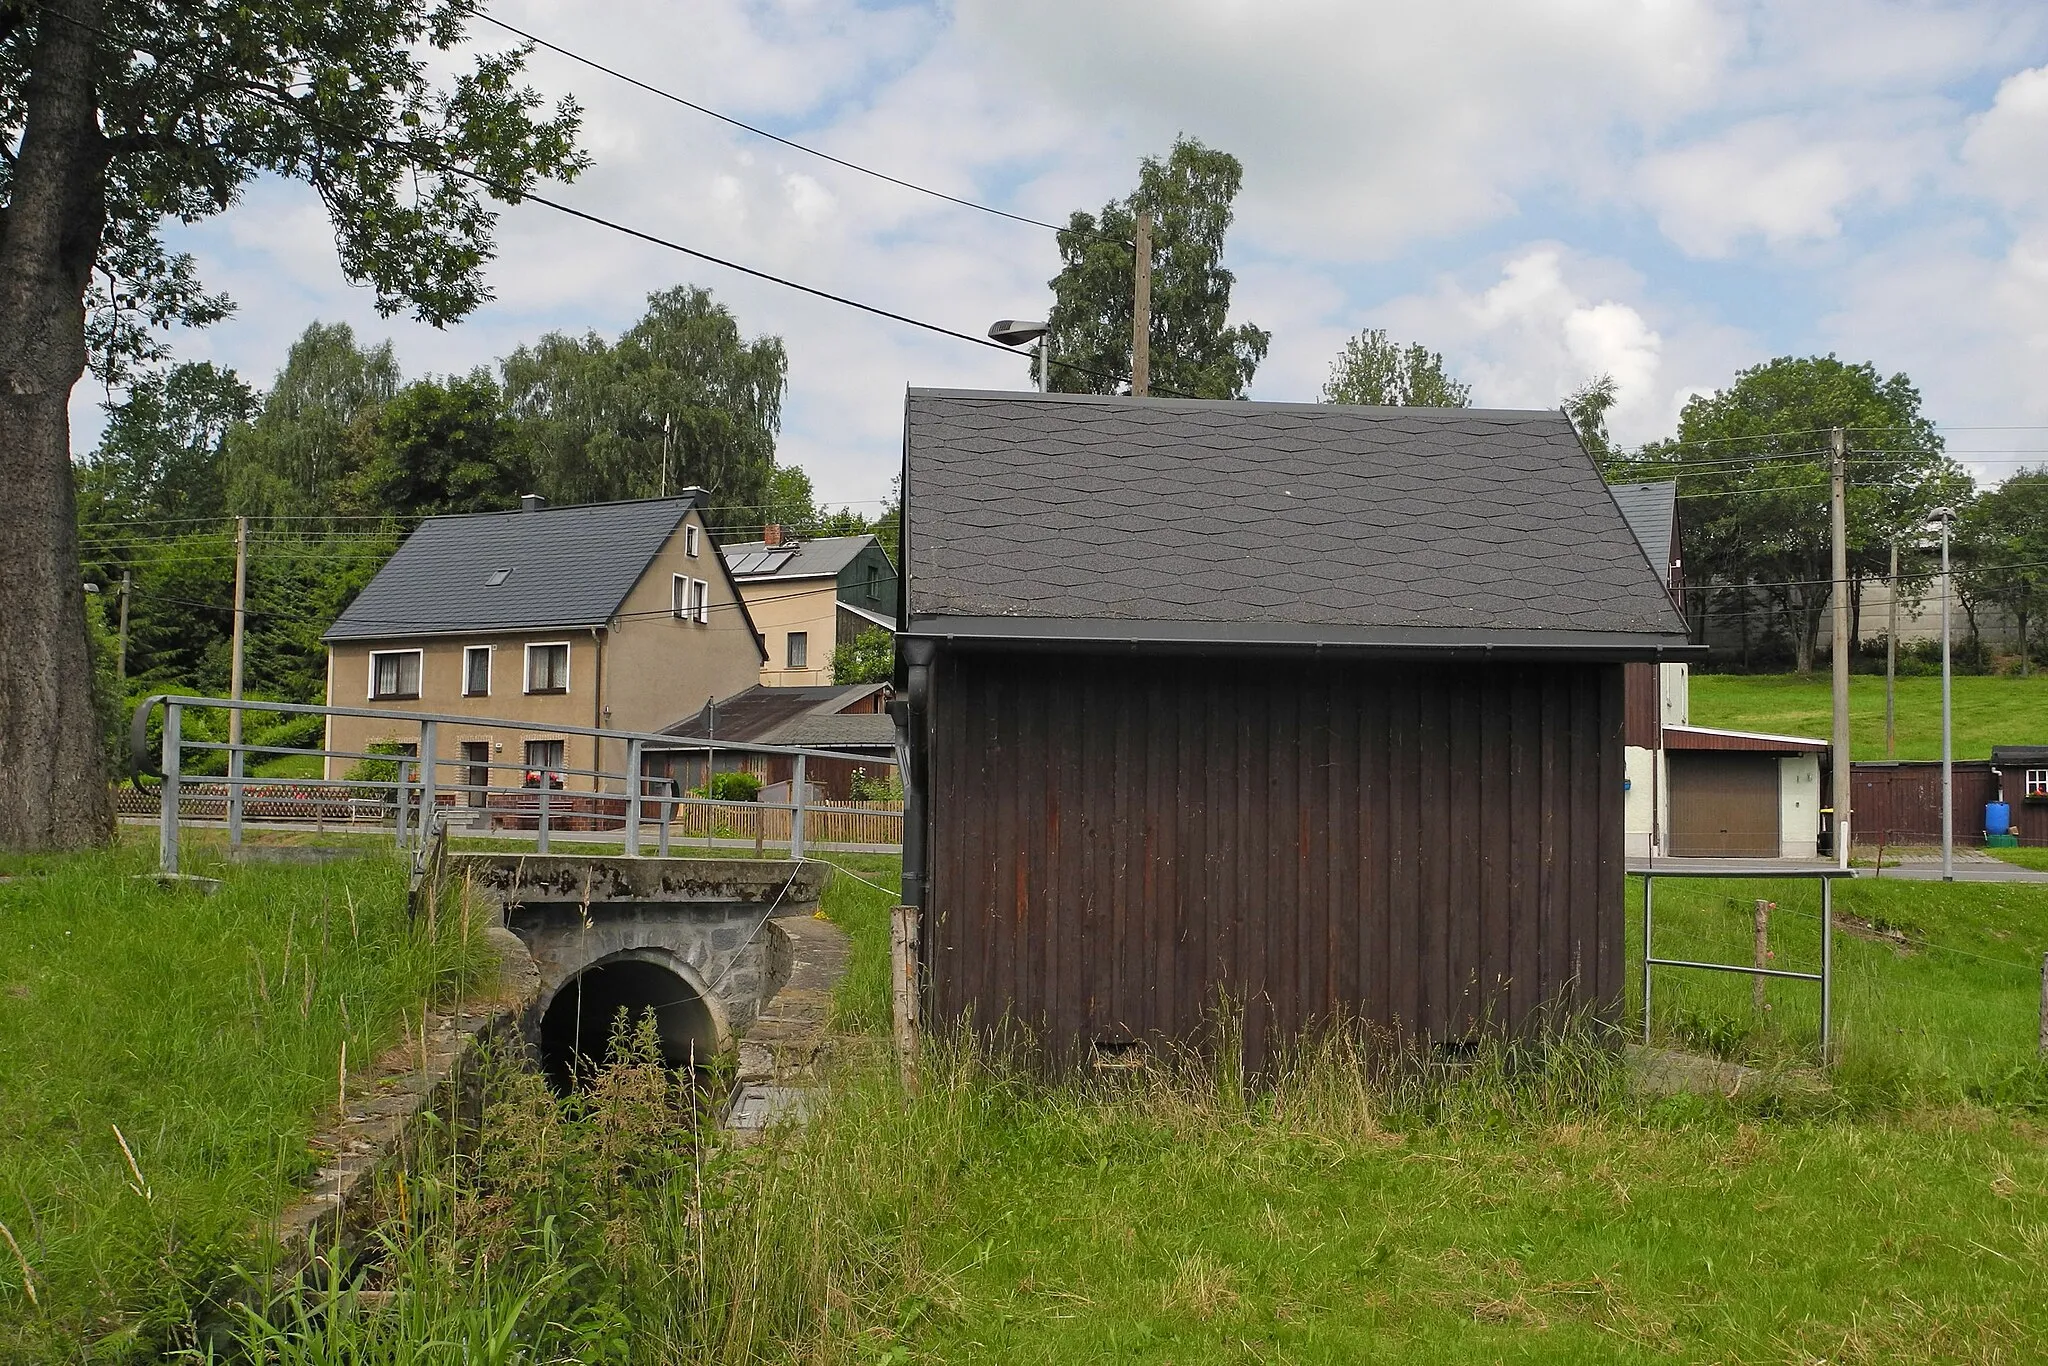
x=1317 y=706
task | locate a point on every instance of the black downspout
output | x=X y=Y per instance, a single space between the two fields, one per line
x=913 y=719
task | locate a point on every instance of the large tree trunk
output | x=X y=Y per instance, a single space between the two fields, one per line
x=53 y=778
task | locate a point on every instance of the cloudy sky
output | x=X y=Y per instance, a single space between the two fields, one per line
x=1661 y=190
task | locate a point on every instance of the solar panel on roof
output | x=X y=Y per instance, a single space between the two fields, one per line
x=774 y=560
x=747 y=564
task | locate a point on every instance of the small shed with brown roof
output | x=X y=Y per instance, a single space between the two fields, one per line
x=1318 y=708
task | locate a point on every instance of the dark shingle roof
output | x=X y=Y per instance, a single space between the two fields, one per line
x=1083 y=517
x=770 y=716
x=1650 y=510
x=566 y=566
x=807 y=559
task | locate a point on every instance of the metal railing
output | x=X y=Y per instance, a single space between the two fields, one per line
x=418 y=793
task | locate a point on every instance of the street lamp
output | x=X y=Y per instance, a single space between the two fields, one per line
x=1017 y=332
x=1948 y=815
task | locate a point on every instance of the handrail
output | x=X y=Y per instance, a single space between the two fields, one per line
x=138 y=734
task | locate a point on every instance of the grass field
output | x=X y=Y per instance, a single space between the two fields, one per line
x=2000 y=710
x=208 y=1029
x=1526 y=1206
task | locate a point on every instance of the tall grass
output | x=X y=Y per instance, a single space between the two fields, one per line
x=164 y=1058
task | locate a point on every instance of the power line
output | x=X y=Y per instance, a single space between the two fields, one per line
x=757 y=131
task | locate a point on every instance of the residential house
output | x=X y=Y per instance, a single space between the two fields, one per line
x=605 y=615
x=852 y=719
x=809 y=597
x=1311 y=707
x=1694 y=791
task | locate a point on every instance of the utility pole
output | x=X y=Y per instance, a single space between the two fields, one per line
x=1891 y=664
x=1838 y=445
x=1948 y=798
x=1141 y=311
x=235 y=670
x=121 y=658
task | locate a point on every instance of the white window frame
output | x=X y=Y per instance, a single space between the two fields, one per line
x=679 y=597
x=490 y=667
x=700 y=598
x=690 y=541
x=419 y=677
x=789 y=640
x=568 y=668
x=2034 y=786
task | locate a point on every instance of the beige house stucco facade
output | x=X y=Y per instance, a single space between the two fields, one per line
x=804 y=607
x=647 y=665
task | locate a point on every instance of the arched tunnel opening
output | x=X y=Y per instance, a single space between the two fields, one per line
x=576 y=1030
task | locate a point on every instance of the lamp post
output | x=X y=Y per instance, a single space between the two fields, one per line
x=1948 y=815
x=1017 y=332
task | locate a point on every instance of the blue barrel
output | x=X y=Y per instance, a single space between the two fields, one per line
x=1997 y=818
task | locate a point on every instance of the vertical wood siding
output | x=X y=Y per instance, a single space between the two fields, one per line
x=1115 y=841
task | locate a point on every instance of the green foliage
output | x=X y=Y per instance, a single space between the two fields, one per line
x=209 y=1029
x=436 y=447
x=1988 y=710
x=306 y=443
x=886 y=788
x=160 y=454
x=869 y=657
x=1756 y=516
x=1587 y=406
x=1372 y=370
x=735 y=786
x=1193 y=350
x=793 y=506
x=194 y=100
x=2004 y=550
x=680 y=399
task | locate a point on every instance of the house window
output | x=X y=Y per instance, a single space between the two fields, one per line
x=547 y=667
x=476 y=671
x=799 y=649
x=679 y=597
x=700 y=600
x=690 y=541
x=543 y=763
x=2037 y=784
x=395 y=674
x=874 y=583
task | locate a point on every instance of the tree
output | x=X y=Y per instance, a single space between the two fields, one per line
x=1193 y=352
x=1751 y=462
x=869 y=657
x=119 y=115
x=436 y=447
x=159 y=458
x=681 y=399
x=2004 y=545
x=1586 y=407
x=1372 y=370
x=307 y=440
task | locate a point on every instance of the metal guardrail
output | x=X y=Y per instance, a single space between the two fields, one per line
x=413 y=796
x=1825 y=977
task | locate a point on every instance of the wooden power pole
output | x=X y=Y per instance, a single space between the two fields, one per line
x=241 y=621
x=1141 y=310
x=121 y=658
x=1838 y=446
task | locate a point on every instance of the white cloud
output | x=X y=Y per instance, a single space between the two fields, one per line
x=2007 y=149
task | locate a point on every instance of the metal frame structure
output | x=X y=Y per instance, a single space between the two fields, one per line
x=1825 y=977
x=418 y=781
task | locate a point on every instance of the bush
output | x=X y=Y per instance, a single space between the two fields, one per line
x=732 y=787
x=887 y=788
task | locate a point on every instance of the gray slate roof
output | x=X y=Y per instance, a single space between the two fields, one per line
x=1650 y=510
x=826 y=555
x=1093 y=518
x=568 y=566
x=807 y=716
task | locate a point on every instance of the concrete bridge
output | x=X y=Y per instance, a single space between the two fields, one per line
x=694 y=940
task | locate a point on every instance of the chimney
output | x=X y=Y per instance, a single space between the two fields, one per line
x=771 y=534
x=531 y=502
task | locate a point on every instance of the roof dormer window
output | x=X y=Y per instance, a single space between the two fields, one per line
x=497 y=576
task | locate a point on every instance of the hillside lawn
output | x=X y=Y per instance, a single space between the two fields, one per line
x=2001 y=709
x=1527 y=1207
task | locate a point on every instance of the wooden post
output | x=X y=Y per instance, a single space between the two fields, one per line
x=235 y=763
x=121 y=659
x=1763 y=950
x=2044 y=1003
x=1891 y=665
x=1141 y=310
x=904 y=994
